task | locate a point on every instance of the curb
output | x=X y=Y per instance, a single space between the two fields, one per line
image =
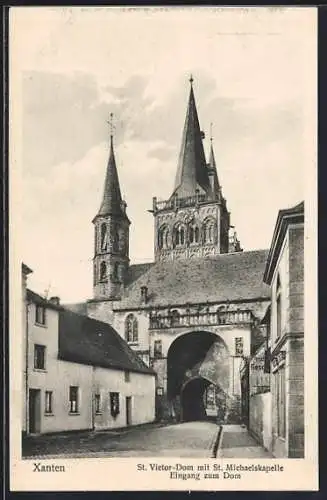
x=216 y=442
x=219 y=441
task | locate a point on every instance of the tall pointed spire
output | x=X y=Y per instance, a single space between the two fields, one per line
x=212 y=167
x=112 y=203
x=191 y=173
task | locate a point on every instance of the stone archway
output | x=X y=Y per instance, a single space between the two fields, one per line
x=192 y=399
x=195 y=360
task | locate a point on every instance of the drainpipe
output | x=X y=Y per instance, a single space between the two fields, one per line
x=26 y=369
x=93 y=400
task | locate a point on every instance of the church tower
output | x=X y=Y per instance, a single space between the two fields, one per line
x=111 y=237
x=194 y=221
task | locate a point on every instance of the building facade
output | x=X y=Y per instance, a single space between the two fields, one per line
x=196 y=311
x=284 y=273
x=274 y=375
x=79 y=373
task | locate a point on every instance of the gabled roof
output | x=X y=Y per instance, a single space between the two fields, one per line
x=226 y=277
x=41 y=301
x=112 y=203
x=88 y=341
x=192 y=172
x=287 y=216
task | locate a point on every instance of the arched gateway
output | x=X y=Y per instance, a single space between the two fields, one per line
x=198 y=376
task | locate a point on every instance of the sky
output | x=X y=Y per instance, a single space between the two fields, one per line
x=254 y=79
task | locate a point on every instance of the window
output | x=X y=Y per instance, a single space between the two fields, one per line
x=40 y=315
x=163 y=237
x=39 y=357
x=209 y=231
x=239 y=346
x=280 y=401
x=194 y=233
x=127 y=376
x=104 y=239
x=48 y=402
x=73 y=399
x=157 y=349
x=103 y=271
x=97 y=403
x=114 y=403
x=278 y=309
x=179 y=235
x=131 y=328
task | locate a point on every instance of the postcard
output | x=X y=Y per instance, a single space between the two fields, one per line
x=163 y=248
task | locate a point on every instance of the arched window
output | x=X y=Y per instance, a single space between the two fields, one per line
x=104 y=239
x=182 y=235
x=179 y=235
x=103 y=271
x=194 y=233
x=163 y=237
x=131 y=328
x=209 y=231
x=278 y=308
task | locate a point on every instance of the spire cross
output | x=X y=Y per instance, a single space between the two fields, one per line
x=191 y=80
x=211 y=138
x=111 y=124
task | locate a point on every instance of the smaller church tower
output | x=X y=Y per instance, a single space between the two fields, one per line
x=111 y=236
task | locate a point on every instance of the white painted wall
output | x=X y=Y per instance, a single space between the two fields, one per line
x=141 y=388
x=59 y=375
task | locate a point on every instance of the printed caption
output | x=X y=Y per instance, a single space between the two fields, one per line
x=220 y=471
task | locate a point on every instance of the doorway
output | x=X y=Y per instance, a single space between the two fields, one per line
x=128 y=410
x=34 y=413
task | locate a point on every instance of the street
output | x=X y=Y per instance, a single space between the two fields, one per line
x=190 y=439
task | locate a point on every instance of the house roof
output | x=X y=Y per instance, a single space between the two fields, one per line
x=89 y=341
x=226 y=277
x=41 y=301
x=287 y=216
x=77 y=307
x=192 y=171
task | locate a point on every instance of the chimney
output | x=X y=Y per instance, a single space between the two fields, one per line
x=144 y=294
x=55 y=301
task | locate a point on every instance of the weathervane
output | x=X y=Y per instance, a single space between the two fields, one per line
x=111 y=124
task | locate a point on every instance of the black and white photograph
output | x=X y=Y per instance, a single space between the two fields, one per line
x=163 y=248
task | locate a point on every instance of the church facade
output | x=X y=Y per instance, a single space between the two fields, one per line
x=195 y=313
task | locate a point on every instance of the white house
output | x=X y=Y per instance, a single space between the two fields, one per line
x=79 y=373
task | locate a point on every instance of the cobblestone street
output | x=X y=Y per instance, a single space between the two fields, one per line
x=191 y=439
